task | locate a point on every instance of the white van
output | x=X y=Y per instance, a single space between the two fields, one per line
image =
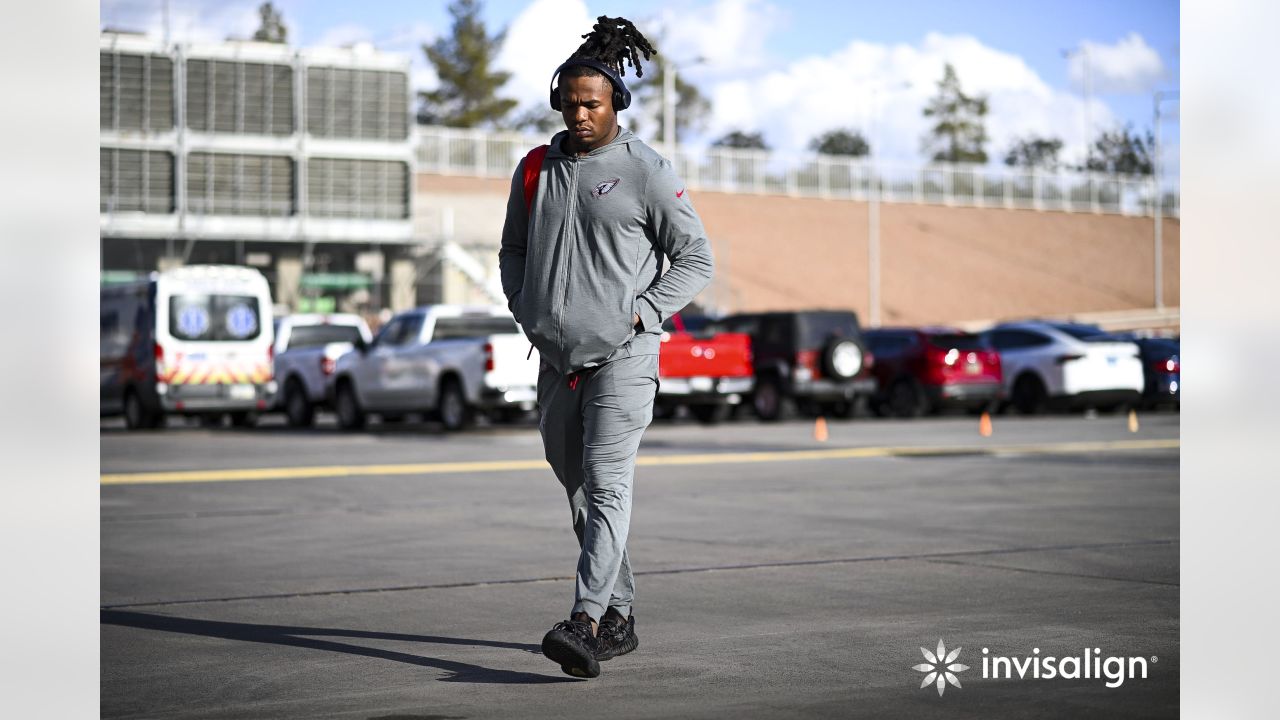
x=195 y=340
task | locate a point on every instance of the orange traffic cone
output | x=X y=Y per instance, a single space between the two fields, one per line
x=820 y=429
x=984 y=425
x=1133 y=421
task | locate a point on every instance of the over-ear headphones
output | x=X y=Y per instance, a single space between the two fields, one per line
x=621 y=95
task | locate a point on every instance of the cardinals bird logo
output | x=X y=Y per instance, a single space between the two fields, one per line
x=603 y=188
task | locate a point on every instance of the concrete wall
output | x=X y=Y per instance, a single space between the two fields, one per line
x=939 y=264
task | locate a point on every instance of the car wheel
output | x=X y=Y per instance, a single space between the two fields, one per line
x=879 y=406
x=453 y=411
x=297 y=408
x=708 y=414
x=136 y=416
x=350 y=414
x=906 y=399
x=767 y=399
x=244 y=419
x=808 y=407
x=664 y=411
x=1029 y=395
x=843 y=409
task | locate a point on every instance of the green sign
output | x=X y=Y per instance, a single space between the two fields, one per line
x=317 y=304
x=336 y=281
x=119 y=277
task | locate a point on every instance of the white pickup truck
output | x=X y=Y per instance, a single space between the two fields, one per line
x=307 y=348
x=446 y=361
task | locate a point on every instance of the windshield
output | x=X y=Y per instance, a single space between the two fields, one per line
x=305 y=336
x=699 y=325
x=475 y=326
x=214 y=318
x=817 y=328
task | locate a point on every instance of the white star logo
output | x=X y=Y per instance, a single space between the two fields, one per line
x=941 y=667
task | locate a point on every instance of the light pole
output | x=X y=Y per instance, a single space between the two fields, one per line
x=1159 y=199
x=1087 y=92
x=669 y=107
x=669 y=104
x=873 y=206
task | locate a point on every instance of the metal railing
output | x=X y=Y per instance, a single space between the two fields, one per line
x=453 y=151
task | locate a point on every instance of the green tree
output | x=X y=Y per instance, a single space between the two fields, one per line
x=271 y=27
x=958 y=133
x=468 y=92
x=692 y=107
x=740 y=139
x=841 y=142
x=538 y=119
x=1122 y=152
x=1034 y=152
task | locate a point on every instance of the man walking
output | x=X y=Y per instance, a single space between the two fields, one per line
x=589 y=220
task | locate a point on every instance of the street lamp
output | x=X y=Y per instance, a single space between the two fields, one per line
x=1160 y=95
x=1087 y=92
x=669 y=103
x=873 y=205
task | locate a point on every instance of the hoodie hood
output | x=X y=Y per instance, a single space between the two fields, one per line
x=625 y=137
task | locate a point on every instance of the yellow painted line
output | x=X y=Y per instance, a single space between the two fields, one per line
x=329 y=471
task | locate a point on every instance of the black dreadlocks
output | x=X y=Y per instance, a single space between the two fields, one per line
x=612 y=41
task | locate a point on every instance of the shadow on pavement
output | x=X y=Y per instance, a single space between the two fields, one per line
x=297 y=637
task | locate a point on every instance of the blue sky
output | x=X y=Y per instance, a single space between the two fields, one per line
x=788 y=68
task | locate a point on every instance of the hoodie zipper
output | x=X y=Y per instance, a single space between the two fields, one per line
x=571 y=222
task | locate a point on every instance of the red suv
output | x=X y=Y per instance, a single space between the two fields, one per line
x=922 y=370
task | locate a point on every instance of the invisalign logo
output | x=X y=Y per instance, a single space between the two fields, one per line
x=941 y=666
x=1090 y=665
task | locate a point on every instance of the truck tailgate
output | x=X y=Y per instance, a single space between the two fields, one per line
x=513 y=365
x=723 y=355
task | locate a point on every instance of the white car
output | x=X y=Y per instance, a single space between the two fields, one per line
x=443 y=360
x=306 y=352
x=1066 y=365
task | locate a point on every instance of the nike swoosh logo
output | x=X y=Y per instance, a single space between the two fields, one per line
x=681 y=193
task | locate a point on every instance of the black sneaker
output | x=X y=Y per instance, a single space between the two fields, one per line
x=617 y=637
x=571 y=644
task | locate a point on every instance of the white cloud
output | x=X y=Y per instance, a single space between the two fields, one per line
x=881 y=89
x=727 y=35
x=188 y=21
x=1128 y=66
x=538 y=40
x=342 y=35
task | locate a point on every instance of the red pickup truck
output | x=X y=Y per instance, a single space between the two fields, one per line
x=701 y=369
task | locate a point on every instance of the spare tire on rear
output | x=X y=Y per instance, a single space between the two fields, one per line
x=842 y=358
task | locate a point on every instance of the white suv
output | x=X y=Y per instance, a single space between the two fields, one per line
x=1066 y=365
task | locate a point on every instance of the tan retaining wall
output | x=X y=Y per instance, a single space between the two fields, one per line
x=939 y=264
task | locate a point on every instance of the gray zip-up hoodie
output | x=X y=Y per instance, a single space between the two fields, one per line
x=589 y=253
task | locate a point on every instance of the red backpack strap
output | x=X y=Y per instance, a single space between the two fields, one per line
x=532 y=167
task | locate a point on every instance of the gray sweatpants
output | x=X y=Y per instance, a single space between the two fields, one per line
x=591 y=432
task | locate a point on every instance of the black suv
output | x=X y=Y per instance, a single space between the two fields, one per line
x=816 y=358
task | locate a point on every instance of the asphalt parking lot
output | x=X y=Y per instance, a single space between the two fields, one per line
x=403 y=573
